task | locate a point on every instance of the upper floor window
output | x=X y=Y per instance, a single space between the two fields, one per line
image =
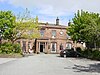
x=53 y=33
x=42 y=32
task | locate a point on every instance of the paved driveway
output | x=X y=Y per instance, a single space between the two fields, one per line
x=50 y=64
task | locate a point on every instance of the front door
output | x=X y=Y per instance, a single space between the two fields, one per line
x=41 y=48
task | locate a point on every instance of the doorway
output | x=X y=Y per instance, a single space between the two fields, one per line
x=41 y=48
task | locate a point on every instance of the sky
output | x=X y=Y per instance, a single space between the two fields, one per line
x=49 y=10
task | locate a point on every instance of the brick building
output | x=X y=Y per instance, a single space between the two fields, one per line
x=53 y=39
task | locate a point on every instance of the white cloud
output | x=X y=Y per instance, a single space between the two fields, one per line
x=58 y=7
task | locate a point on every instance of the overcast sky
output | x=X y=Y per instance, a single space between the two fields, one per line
x=49 y=10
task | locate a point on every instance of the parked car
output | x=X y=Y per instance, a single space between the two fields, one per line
x=69 y=53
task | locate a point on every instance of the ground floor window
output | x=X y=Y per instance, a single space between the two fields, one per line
x=53 y=47
x=68 y=45
x=61 y=46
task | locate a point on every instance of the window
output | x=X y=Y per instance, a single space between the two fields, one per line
x=53 y=33
x=68 y=45
x=61 y=46
x=42 y=32
x=53 y=46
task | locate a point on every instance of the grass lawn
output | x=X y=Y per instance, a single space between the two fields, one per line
x=16 y=55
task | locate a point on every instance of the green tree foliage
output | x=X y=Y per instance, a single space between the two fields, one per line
x=12 y=28
x=26 y=27
x=7 y=24
x=86 y=27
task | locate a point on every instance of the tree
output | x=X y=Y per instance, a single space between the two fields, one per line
x=7 y=24
x=86 y=27
x=26 y=27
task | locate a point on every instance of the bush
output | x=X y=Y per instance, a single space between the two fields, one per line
x=78 y=49
x=91 y=54
x=8 y=48
x=87 y=53
x=96 y=55
x=17 y=48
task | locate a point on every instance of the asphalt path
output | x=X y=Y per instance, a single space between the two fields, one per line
x=49 y=64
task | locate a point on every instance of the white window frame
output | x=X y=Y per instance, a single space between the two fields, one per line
x=55 y=45
x=69 y=45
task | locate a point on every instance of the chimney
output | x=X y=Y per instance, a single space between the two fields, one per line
x=69 y=23
x=57 y=21
x=46 y=23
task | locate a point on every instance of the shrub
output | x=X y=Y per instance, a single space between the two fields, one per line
x=8 y=48
x=96 y=55
x=91 y=54
x=78 y=49
x=17 y=48
x=87 y=53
